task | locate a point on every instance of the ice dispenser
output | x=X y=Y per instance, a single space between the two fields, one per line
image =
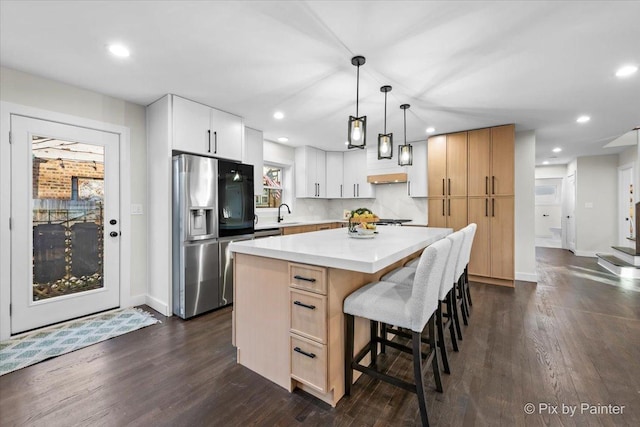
x=201 y=223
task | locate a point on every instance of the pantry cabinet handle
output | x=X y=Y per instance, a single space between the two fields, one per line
x=486 y=207
x=306 y=279
x=493 y=207
x=493 y=185
x=443 y=207
x=486 y=185
x=215 y=142
x=449 y=185
x=443 y=186
x=209 y=141
x=299 y=350
x=449 y=206
x=301 y=304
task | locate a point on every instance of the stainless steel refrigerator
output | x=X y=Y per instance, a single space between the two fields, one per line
x=195 y=235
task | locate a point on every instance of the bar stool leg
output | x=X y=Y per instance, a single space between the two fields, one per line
x=418 y=373
x=462 y=299
x=455 y=313
x=383 y=335
x=373 y=344
x=466 y=285
x=443 y=349
x=454 y=319
x=434 y=361
x=348 y=353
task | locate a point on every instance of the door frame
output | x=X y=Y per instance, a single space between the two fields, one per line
x=623 y=203
x=6 y=110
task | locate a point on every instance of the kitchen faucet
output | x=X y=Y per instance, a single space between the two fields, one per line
x=288 y=210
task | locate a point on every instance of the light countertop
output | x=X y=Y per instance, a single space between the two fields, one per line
x=334 y=248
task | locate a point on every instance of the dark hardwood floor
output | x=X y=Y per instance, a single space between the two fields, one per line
x=573 y=338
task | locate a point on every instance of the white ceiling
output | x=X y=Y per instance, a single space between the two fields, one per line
x=461 y=65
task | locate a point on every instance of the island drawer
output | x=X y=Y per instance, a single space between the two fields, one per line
x=308 y=277
x=309 y=363
x=308 y=314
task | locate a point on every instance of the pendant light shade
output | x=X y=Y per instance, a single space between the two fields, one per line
x=385 y=140
x=357 y=137
x=405 y=152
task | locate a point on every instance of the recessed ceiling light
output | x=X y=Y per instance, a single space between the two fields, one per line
x=546 y=162
x=626 y=71
x=278 y=115
x=583 y=119
x=283 y=139
x=119 y=50
x=431 y=130
x=557 y=150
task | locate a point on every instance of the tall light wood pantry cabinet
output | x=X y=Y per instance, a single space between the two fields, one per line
x=488 y=199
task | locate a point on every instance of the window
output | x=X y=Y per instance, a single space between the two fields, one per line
x=272 y=178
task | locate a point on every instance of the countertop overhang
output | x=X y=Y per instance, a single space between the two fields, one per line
x=334 y=248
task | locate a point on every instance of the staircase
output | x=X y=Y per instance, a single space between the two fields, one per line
x=625 y=262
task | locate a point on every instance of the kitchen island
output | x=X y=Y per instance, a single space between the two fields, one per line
x=288 y=324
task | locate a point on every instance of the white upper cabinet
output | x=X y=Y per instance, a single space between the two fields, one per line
x=253 y=155
x=335 y=167
x=200 y=129
x=310 y=172
x=417 y=173
x=355 y=176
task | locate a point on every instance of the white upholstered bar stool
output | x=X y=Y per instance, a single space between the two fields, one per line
x=446 y=296
x=409 y=307
x=462 y=275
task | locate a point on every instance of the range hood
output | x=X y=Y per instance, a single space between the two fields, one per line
x=387 y=178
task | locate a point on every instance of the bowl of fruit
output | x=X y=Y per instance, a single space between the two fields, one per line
x=362 y=222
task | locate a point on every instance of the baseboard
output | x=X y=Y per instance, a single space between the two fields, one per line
x=135 y=300
x=159 y=306
x=527 y=277
x=590 y=254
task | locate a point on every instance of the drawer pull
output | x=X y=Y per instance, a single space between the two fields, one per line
x=301 y=304
x=298 y=350
x=306 y=279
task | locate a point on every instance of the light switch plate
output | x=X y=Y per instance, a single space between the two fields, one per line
x=136 y=209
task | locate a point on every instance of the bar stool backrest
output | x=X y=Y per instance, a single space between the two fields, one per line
x=426 y=283
x=448 y=279
x=465 y=253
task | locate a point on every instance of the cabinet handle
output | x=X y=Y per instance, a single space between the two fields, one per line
x=493 y=207
x=442 y=207
x=486 y=185
x=408 y=188
x=443 y=186
x=358 y=187
x=299 y=350
x=354 y=190
x=215 y=142
x=318 y=189
x=306 y=279
x=449 y=185
x=340 y=190
x=486 y=207
x=209 y=141
x=301 y=304
x=449 y=206
x=493 y=185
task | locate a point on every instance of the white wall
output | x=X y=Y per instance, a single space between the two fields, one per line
x=596 y=204
x=525 y=240
x=551 y=171
x=29 y=90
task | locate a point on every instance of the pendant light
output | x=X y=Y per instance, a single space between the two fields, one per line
x=405 y=152
x=357 y=125
x=385 y=140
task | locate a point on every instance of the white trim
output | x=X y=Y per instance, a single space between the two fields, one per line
x=8 y=108
x=590 y=254
x=158 y=305
x=527 y=277
x=136 y=300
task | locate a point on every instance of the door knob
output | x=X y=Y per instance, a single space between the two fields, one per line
x=113 y=234
x=113 y=222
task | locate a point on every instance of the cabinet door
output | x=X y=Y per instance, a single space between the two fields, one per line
x=417 y=173
x=321 y=174
x=502 y=160
x=457 y=164
x=252 y=155
x=479 y=162
x=479 y=211
x=502 y=236
x=305 y=164
x=334 y=175
x=226 y=134
x=191 y=122
x=437 y=165
x=457 y=213
x=349 y=174
x=437 y=212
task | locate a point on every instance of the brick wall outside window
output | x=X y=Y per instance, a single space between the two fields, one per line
x=52 y=181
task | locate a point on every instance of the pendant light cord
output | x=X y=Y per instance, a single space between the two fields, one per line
x=357 y=89
x=405 y=126
x=385 y=112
